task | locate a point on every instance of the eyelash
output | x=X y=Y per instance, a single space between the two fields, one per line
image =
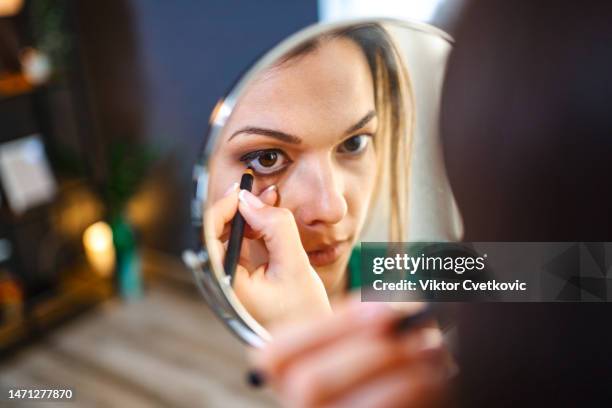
x=255 y=154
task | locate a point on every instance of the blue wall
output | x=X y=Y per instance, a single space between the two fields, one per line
x=192 y=51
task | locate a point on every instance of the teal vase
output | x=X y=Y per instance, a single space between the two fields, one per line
x=128 y=267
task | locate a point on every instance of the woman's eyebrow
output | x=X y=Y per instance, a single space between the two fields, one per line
x=287 y=138
x=362 y=122
x=282 y=136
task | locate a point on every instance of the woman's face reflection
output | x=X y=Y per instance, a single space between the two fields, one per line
x=306 y=125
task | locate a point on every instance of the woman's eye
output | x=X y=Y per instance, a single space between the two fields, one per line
x=354 y=145
x=265 y=161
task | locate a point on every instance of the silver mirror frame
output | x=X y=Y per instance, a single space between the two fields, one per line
x=209 y=278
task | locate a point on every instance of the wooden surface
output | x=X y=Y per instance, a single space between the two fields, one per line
x=166 y=350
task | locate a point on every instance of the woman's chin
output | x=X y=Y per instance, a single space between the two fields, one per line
x=333 y=275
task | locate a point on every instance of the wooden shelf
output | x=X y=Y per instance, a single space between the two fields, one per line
x=12 y=85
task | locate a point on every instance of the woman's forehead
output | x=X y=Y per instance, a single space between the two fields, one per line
x=320 y=93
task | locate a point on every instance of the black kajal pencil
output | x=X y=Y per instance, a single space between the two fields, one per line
x=237 y=230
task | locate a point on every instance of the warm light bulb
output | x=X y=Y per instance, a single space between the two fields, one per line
x=10 y=7
x=99 y=249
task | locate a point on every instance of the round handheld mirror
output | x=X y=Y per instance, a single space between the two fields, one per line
x=330 y=139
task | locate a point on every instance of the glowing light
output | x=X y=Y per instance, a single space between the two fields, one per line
x=10 y=7
x=99 y=249
x=419 y=10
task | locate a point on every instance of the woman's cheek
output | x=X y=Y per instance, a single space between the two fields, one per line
x=368 y=170
x=359 y=187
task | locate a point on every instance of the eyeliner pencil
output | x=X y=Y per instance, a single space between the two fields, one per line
x=237 y=229
x=409 y=322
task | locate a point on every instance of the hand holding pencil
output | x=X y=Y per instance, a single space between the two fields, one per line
x=284 y=286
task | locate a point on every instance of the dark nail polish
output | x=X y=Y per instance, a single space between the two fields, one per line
x=256 y=378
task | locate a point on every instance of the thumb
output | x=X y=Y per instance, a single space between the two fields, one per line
x=268 y=196
x=277 y=228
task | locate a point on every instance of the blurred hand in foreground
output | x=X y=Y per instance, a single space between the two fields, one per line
x=354 y=358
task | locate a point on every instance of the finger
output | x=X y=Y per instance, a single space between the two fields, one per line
x=291 y=342
x=268 y=196
x=221 y=249
x=222 y=212
x=277 y=228
x=240 y=280
x=338 y=369
x=414 y=386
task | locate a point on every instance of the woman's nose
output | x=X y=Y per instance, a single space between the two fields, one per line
x=323 y=199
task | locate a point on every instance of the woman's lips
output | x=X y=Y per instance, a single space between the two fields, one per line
x=327 y=254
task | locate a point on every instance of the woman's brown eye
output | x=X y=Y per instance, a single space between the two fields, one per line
x=266 y=162
x=268 y=159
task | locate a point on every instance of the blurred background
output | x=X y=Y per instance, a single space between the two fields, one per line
x=103 y=108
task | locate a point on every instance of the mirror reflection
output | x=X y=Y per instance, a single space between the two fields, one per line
x=325 y=131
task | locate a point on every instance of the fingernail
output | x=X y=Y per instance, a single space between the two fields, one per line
x=270 y=188
x=233 y=188
x=431 y=339
x=249 y=199
x=256 y=378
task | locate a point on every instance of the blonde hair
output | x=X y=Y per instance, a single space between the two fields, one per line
x=395 y=110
